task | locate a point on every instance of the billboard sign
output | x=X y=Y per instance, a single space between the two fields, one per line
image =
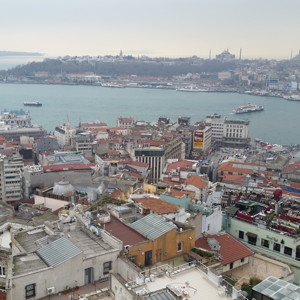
x=198 y=139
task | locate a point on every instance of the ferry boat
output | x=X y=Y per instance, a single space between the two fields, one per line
x=248 y=108
x=34 y=103
x=191 y=89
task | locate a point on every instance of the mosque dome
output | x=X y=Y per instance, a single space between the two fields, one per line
x=62 y=188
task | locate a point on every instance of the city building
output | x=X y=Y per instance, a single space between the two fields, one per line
x=236 y=133
x=64 y=134
x=125 y=122
x=10 y=177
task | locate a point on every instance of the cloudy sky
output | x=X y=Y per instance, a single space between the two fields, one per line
x=262 y=28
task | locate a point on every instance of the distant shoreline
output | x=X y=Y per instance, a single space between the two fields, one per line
x=152 y=88
x=17 y=53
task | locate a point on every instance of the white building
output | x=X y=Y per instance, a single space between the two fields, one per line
x=236 y=132
x=10 y=178
x=64 y=134
x=125 y=122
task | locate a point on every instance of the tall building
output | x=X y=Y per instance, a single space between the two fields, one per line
x=201 y=140
x=156 y=156
x=236 y=133
x=64 y=134
x=10 y=178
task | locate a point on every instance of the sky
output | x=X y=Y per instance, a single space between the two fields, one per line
x=156 y=28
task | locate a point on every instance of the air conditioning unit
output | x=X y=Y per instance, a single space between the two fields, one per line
x=50 y=290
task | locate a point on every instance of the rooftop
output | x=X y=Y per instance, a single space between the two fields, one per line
x=274 y=288
x=230 y=249
x=158 y=206
x=196 y=181
x=153 y=226
x=191 y=282
x=123 y=232
x=58 y=252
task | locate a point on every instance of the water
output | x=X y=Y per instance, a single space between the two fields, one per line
x=278 y=123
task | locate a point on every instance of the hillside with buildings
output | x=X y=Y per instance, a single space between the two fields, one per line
x=143 y=209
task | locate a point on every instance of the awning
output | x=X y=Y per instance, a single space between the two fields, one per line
x=250 y=234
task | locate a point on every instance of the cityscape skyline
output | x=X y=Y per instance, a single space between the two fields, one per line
x=156 y=29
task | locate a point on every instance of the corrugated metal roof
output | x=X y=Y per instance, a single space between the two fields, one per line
x=58 y=251
x=152 y=226
x=161 y=295
x=274 y=288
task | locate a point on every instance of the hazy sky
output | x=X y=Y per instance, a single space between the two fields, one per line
x=262 y=28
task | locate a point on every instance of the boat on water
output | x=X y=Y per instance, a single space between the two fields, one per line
x=191 y=89
x=292 y=97
x=33 y=103
x=248 y=108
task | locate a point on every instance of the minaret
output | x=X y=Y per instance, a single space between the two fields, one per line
x=209 y=54
x=240 y=58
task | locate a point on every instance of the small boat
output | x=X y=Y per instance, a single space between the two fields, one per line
x=33 y=103
x=248 y=108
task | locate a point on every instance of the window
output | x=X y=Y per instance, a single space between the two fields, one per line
x=231 y=265
x=265 y=243
x=107 y=267
x=30 y=290
x=242 y=259
x=2 y=271
x=132 y=259
x=179 y=246
x=276 y=247
x=241 y=234
x=288 y=251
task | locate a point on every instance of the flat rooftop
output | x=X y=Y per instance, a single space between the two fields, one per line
x=87 y=245
x=191 y=282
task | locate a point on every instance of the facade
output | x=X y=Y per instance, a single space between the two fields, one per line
x=10 y=176
x=276 y=244
x=125 y=122
x=64 y=134
x=154 y=157
x=47 y=256
x=236 y=133
x=165 y=240
x=15 y=119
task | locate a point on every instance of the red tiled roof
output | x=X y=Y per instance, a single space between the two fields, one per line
x=123 y=232
x=169 y=181
x=239 y=178
x=66 y=167
x=196 y=181
x=181 y=164
x=158 y=206
x=112 y=152
x=232 y=166
x=179 y=193
x=291 y=168
x=134 y=163
x=127 y=120
x=231 y=249
x=116 y=128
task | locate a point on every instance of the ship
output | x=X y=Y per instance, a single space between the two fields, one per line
x=248 y=108
x=33 y=103
x=191 y=89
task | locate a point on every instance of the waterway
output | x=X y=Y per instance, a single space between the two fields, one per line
x=278 y=123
